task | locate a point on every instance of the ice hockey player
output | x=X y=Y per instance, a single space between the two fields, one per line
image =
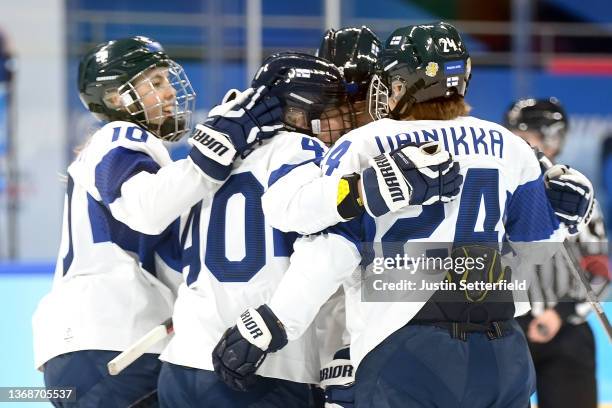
x=560 y=340
x=114 y=278
x=404 y=350
x=355 y=51
x=234 y=259
x=294 y=202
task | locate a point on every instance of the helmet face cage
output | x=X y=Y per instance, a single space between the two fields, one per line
x=161 y=99
x=378 y=98
x=334 y=122
x=327 y=119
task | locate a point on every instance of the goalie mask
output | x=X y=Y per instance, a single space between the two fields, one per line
x=546 y=117
x=133 y=79
x=312 y=94
x=419 y=63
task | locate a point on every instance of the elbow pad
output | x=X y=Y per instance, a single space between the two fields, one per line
x=348 y=202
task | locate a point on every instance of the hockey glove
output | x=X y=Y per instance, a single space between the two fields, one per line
x=571 y=196
x=232 y=128
x=337 y=380
x=247 y=118
x=243 y=348
x=410 y=175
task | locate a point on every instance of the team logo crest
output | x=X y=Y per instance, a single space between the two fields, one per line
x=431 y=69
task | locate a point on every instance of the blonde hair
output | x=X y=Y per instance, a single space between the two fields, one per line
x=439 y=109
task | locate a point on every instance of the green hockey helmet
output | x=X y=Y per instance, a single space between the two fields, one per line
x=421 y=62
x=133 y=79
x=355 y=51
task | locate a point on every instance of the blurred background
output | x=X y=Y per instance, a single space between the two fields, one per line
x=519 y=48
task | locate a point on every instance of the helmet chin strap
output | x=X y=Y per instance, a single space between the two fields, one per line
x=174 y=126
x=401 y=107
x=121 y=115
x=315 y=125
x=405 y=100
x=347 y=120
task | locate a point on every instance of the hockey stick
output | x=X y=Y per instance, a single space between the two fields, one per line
x=578 y=272
x=127 y=357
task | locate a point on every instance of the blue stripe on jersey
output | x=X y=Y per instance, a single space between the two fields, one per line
x=283 y=242
x=105 y=228
x=351 y=230
x=116 y=167
x=368 y=225
x=67 y=261
x=530 y=216
x=169 y=248
x=506 y=205
x=286 y=168
x=360 y=232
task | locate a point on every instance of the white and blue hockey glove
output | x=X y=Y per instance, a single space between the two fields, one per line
x=410 y=175
x=247 y=118
x=243 y=348
x=234 y=128
x=337 y=379
x=571 y=196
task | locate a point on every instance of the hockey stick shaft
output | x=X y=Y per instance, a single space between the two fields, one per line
x=577 y=271
x=127 y=357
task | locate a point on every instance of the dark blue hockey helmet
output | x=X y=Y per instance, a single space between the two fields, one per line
x=312 y=92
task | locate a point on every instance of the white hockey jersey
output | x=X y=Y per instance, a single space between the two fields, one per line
x=502 y=197
x=234 y=260
x=113 y=281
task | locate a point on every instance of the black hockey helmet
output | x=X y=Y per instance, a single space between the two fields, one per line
x=429 y=61
x=544 y=116
x=356 y=51
x=115 y=77
x=310 y=90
